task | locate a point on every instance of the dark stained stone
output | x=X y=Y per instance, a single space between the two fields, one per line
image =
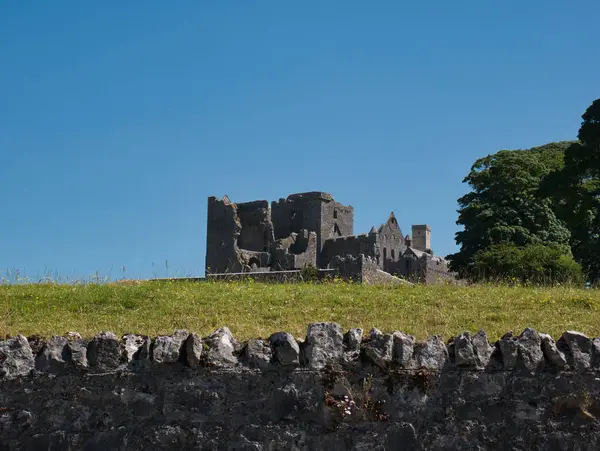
x=104 y=352
x=286 y=351
x=258 y=353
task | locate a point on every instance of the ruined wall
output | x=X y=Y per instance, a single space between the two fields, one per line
x=253 y=260
x=314 y=211
x=426 y=270
x=257 y=230
x=231 y=226
x=326 y=391
x=355 y=245
x=222 y=231
x=437 y=271
x=337 y=220
x=297 y=212
x=373 y=275
x=392 y=246
x=285 y=276
x=296 y=251
x=348 y=267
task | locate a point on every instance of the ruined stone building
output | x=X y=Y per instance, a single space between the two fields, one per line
x=313 y=229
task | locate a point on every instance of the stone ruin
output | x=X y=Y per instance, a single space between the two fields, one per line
x=314 y=230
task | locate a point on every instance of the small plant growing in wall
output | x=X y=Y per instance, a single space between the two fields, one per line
x=358 y=402
x=346 y=405
x=309 y=273
x=371 y=406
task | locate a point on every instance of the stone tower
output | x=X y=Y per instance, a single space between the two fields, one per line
x=314 y=211
x=421 y=237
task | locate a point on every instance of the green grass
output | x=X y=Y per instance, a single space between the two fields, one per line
x=257 y=310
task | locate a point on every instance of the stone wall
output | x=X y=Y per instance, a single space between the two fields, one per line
x=355 y=245
x=296 y=251
x=222 y=231
x=336 y=220
x=285 y=276
x=349 y=267
x=326 y=391
x=315 y=211
x=391 y=246
x=437 y=271
x=256 y=232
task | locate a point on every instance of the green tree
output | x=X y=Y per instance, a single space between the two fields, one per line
x=535 y=264
x=575 y=192
x=505 y=205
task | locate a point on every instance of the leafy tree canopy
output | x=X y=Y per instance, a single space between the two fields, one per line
x=575 y=192
x=505 y=205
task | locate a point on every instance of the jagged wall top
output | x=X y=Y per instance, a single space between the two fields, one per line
x=324 y=346
x=311 y=195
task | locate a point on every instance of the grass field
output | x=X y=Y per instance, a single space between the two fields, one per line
x=257 y=310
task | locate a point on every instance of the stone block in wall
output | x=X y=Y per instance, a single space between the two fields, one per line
x=464 y=355
x=193 y=350
x=104 y=352
x=522 y=352
x=132 y=346
x=222 y=348
x=286 y=351
x=352 y=340
x=432 y=354
x=168 y=349
x=351 y=345
x=509 y=349
x=531 y=356
x=379 y=348
x=16 y=357
x=472 y=351
x=258 y=353
x=483 y=349
x=78 y=350
x=54 y=355
x=551 y=351
x=577 y=348
x=323 y=345
x=403 y=349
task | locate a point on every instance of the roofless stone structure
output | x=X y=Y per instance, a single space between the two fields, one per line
x=313 y=229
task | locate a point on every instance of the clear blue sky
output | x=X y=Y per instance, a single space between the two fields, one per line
x=119 y=119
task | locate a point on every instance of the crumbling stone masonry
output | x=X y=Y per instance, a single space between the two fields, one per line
x=327 y=391
x=313 y=229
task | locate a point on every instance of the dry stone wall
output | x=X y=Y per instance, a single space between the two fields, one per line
x=329 y=390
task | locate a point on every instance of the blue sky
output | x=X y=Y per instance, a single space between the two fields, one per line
x=119 y=119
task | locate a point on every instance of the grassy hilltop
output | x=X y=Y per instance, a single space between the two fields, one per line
x=257 y=310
